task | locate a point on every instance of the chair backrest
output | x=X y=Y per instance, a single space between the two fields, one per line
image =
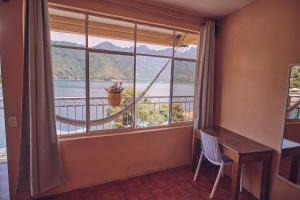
x=210 y=148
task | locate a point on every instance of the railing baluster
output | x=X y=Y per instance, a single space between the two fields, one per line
x=159 y=105
x=154 y=112
x=149 y=110
x=191 y=110
x=96 y=115
x=68 y=117
x=82 y=111
x=75 y=117
x=102 y=116
x=59 y=122
x=185 y=112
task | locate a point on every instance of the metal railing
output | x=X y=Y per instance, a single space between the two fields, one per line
x=149 y=111
x=294 y=113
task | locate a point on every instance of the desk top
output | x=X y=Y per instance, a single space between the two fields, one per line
x=287 y=144
x=236 y=142
x=290 y=148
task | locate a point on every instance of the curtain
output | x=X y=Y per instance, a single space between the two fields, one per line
x=204 y=84
x=40 y=167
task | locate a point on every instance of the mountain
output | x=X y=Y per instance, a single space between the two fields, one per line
x=69 y=64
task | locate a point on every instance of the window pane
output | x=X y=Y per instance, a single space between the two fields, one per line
x=108 y=34
x=153 y=108
x=67 y=28
x=3 y=151
x=183 y=91
x=294 y=93
x=154 y=41
x=186 y=45
x=69 y=86
x=104 y=69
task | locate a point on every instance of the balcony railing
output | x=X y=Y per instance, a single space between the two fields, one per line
x=293 y=110
x=150 y=111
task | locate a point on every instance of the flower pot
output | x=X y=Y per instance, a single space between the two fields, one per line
x=114 y=99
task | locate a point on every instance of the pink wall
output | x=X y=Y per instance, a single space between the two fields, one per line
x=90 y=161
x=253 y=49
x=11 y=44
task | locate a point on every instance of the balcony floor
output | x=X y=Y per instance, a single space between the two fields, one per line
x=173 y=184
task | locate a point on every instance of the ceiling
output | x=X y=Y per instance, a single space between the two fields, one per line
x=203 y=8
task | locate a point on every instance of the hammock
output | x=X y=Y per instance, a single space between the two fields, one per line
x=292 y=107
x=112 y=117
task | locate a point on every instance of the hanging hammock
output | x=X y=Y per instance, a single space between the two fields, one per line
x=112 y=117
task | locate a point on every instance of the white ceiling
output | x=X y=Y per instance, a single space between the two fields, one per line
x=203 y=8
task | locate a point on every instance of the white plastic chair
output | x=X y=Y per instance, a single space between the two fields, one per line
x=210 y=149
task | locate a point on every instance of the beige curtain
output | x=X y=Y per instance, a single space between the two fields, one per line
x=39 y=165
x=204 y=86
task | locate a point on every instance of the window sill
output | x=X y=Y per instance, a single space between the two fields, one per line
x=111 y=133
x=293 y=121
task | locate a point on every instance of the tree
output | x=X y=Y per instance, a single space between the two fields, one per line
x=295 y=77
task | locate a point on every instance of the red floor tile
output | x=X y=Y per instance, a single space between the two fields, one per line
x=173 y=184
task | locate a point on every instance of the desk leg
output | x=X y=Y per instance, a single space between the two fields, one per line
x=294 y=169
x=265 y=178
x=236 y=174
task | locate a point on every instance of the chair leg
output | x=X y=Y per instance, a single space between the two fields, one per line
x=198 y=166
x=217 y=181
x=241 y=179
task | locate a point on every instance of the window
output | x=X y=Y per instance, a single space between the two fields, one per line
x=156 y=66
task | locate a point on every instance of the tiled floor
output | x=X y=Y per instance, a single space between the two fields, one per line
x=4 y=193
x=173 y=184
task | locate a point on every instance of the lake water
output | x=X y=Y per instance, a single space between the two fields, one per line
x=65 y=88
x=72 y=88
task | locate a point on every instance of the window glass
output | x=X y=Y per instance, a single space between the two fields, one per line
x=186 y=45
x=69 y=87
x=154 y=41
x=153 y=108
x=3 y=149
x=104 y=70
x=67 y=28
x=183 y=91
x=82 y=73
x=113 y=35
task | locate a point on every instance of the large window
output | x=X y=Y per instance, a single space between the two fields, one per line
x=156 y=66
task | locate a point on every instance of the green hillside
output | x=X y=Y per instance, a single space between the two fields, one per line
x=69 y=64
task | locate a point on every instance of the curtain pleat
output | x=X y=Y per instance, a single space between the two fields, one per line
x=40 y=167
x=204 y=85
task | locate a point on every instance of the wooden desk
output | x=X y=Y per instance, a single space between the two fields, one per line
x=240 y=150
x=291 y=148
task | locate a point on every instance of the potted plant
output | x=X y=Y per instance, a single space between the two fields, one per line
x=115 y=93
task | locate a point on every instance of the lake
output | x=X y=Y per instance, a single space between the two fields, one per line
x=76 y=88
